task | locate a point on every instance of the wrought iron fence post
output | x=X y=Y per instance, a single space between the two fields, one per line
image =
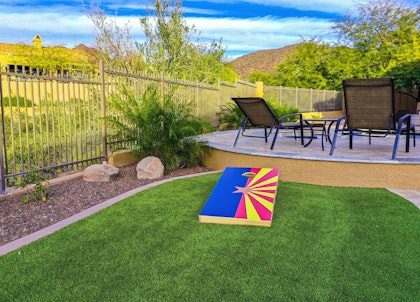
x=197 y=100
x=312 y=100
x=2 y=149
x=103 y=105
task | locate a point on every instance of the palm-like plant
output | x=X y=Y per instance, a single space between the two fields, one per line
x=159 y=126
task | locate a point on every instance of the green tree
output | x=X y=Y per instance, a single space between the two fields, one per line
x=53 y=58
x=376 y=41
x=315 y=64
x=174 y=48
x=171 y=47
x=407 y=77
x=385 y=32
x=115 y=44
x=301 y=68
x=265 y=77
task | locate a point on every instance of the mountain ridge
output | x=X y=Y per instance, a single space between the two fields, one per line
x=261 y=60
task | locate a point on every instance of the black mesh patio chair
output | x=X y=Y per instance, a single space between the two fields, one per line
x=257 y=114
x=370 y=108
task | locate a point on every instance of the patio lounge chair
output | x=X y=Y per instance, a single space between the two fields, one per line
x=370 y=108
x=258 y=114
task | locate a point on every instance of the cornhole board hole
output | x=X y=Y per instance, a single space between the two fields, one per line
x=243 y=196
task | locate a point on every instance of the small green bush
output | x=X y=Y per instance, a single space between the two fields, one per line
x=230 y=116
x=281 y=110
x=39 y=180
x=14 y=102
x=159 y=126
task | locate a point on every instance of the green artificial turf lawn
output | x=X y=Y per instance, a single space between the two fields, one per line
x=325 y=244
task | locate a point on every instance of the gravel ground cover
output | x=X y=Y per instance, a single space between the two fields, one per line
x=66 y=199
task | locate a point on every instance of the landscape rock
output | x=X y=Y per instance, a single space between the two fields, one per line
x=100 y=173
x=122 y=158
x=150 y=167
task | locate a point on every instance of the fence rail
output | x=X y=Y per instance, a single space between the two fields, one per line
x=48 y=122
x=56 y=122
x=306 y=99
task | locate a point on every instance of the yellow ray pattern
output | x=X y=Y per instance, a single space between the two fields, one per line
x=264 y=202
x=265 y=182
x=251 y=213
x=259 y=175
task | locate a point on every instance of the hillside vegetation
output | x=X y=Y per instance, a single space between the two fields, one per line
x=382 y=39
x=262 y=60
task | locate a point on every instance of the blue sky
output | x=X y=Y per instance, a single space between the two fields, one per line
x=244 y=25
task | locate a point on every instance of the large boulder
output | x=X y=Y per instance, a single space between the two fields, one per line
x=100 y=173
x=122 y=158
x=150 y=167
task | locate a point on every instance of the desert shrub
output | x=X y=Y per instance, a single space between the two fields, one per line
x=41 y=137
x=159 y=126
x=38 y=178
x=230 y=116
x=281 y=110
x=14 y=102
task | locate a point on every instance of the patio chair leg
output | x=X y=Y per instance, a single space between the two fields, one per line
x=242 y=126
x=237 y=136
x=301 y=133
x=333 y=141
x=265 y=134
x=336 y=130
x=274 y=139
x=311 y=137
x=407 y=140
x=394 y=150
x=414 y=137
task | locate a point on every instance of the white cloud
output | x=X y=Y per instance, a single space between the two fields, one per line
x=126 y=5
x=246 y=35
x=48 y=22
x=239 y=35
x=137 y=6
x=54 y=28
x=330 y=6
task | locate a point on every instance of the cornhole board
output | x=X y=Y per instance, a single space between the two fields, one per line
x=243 y=196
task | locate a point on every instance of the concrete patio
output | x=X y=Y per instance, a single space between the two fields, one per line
x=363 y=166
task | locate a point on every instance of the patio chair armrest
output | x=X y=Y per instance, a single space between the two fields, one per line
x=338 y=122
x=339 y=119
x=406 y=118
